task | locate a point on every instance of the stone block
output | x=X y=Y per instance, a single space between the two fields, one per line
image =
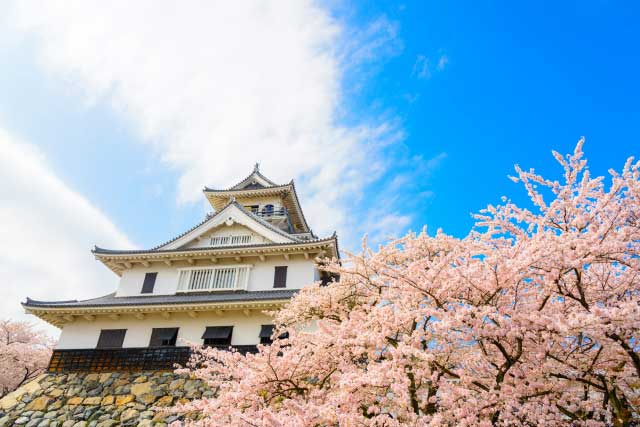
x=107 y=400
x=75 y=401
x=141 y=388
x=164 y=401
x=123 y=400
x=92 y=400
x=129 y=414
x=39 y=403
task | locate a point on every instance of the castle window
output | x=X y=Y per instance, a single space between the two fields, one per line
x=217 y=335
x=111 y=338
x=163 y=337
x=149 y=283
x=280 y=277
x=265 y=334
x=267 y=210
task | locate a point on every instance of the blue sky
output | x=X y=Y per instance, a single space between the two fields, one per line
x=390 y=116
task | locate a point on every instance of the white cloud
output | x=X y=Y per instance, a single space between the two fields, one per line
x=214 y=86
x=421 y=67
x=442 y=62
x=47 y=231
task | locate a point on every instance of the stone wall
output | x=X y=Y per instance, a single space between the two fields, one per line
x=100 y=400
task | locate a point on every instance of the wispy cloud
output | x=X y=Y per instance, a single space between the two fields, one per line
x=47 y=233
x=442 y=62
x=424 y=67
x=421 y=68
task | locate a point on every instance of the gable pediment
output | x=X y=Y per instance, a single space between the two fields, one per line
x=228 y=227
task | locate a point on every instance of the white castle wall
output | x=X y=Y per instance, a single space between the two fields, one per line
x=82 y=333
x=300 y=272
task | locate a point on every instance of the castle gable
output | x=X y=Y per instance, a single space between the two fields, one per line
x=217 y=230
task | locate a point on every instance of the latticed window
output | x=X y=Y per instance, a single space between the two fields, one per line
x=214 y=278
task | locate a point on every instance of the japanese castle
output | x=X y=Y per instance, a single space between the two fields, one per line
x=210 y=285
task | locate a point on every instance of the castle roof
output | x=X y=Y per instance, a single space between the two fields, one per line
x=257 y=185
x=58 y=313
x=111 y=300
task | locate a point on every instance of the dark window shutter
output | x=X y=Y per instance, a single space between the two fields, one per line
x=111 y=338
x=149 y=283
x=280 y=277
x=265 y=334
x=217 y=335
x=163 y=337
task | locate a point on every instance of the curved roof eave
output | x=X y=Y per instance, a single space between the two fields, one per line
x=300 y=243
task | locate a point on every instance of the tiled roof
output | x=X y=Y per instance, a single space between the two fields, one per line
x=256 y=171
x=102 y=251
x=233 y=190
x=111 y=300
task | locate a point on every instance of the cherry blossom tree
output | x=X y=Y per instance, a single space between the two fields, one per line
x=24 y=354
x=532 y=319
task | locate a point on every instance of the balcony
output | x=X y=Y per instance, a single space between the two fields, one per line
x=210 y=279
x=268 y=213
x=127 y=359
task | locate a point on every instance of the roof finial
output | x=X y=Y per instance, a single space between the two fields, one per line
x=256 y=167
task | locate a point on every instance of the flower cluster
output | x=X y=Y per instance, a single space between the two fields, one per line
x=24 y=354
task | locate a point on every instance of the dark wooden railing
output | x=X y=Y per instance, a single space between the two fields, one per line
x=267 y=213
x=126 y=359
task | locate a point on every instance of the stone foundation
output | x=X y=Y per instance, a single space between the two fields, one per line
x=100 y=400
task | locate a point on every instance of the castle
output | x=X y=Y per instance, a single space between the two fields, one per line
x=210 y=285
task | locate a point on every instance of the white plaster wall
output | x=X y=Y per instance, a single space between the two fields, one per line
x=83 y=334
x=301 y=272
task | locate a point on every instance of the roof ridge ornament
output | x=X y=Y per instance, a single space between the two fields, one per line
x=256 y=167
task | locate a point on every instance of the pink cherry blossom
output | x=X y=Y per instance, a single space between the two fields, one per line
x=24 y=354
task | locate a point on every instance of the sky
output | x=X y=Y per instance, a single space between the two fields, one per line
x=390 y=116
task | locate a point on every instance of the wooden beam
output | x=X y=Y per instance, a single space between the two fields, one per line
x=238 y=259
x=286 y=256
x=262 y=257
x=219 y=312
x=306 y=255
x=190 y=261
x=168 y=262
x=89 y=317
x=165 y=315
x=246 y=312
x=139 y=316
x=145 y=263
x=214 y=259
x=68 y=318
x=127 y=264
x=193 y=314
x=114 y=316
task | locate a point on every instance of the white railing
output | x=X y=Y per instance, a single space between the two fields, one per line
x=231 y=240
x=207 y=279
